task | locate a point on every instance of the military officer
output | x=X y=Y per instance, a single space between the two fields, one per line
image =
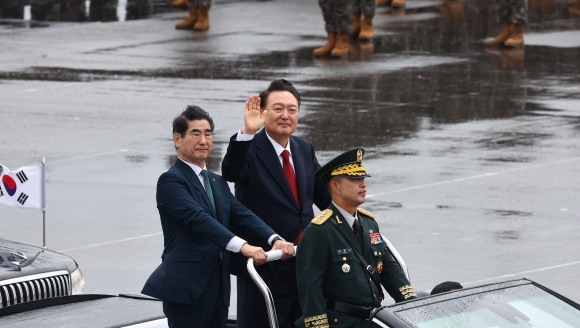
x=342 y=259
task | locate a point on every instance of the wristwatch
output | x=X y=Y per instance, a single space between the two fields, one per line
x=275 y=239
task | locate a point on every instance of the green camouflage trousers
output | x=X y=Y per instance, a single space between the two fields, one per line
x=511 y=11
x=199 y=3
x=366 y=7
x=337 y=15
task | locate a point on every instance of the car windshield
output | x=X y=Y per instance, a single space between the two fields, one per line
x=520 y=306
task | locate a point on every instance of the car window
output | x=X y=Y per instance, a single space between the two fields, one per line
x=521 y=306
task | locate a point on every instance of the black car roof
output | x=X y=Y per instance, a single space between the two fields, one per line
x=82 y=311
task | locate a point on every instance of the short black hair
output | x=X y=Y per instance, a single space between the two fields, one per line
x=445 y=287
x=279 y=85
x=191 y=113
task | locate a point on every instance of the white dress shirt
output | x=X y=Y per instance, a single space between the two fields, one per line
x=347 y=216
x=236 y=243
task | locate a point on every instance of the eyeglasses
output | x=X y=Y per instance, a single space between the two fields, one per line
x=196 y=135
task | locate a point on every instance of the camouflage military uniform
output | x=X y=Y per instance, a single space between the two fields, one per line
x=337 y=15
x=365 y=7
x=199 y=3
x=511 y=11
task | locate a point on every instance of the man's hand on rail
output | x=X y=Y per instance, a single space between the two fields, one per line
x=286 y=248
x=257 y=253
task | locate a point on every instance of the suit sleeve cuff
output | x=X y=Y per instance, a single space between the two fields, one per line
x=235 y=244
x=272 y=237
x=244 y=137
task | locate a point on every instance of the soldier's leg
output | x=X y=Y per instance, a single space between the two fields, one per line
x=343 y=17
x=518 y=18
x=368 y=10
x=189 y=21
x=327 y=6
x=202 y=22
x=356 y=18
x=503 y=14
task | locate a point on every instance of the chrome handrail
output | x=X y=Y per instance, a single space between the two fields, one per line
x=272 y=256
x=397 y=257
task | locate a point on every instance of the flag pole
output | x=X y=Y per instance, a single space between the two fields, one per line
x=43 y=205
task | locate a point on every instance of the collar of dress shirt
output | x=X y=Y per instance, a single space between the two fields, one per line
x=277 y=147
x=347 y=216
x=196 y=169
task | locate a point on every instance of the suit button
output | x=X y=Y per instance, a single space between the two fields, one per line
x=335 y=320
x=375 y=295
x=344 y=258
x=370 y=279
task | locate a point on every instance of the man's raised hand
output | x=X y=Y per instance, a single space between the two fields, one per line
x=253 y=115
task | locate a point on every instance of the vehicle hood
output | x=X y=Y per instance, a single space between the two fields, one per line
x=45 y=261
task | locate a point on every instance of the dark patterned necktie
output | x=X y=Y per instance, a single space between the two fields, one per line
x=207 y=186
x=356 y=227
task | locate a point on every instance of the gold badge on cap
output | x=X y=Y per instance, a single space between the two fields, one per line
x=345 y=268
x=359 y=155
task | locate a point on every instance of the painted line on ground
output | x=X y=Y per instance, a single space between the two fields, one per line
x=473 y=177
x=522 y=273
x=111 y=242
x=89 y=156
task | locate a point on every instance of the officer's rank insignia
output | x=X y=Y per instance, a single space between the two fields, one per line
x=365 y=212
x=345 y=268
x=376 y=238
x=380 y=266
x=407 y=291
x=322 y=217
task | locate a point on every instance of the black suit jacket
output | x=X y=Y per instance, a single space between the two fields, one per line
x=194 y=234
x=260 y=184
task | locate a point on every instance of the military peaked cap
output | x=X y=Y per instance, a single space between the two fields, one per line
x=347 y=164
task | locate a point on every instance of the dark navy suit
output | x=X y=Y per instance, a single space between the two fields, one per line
x=261 y=185
x=191 y=273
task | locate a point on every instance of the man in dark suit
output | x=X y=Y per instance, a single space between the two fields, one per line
x=196 y=210
x=274 y=176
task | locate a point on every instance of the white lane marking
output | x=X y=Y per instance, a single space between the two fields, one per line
x=89 y=156
x=522 y=273
x=111 y=242
x=473 y=177
x=124 y=150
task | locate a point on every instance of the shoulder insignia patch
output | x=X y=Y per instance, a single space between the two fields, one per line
x=367 y=213
x=322 y=217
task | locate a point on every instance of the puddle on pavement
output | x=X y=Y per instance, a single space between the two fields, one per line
x=507 y=235
x=82 y=11
x=509 y=213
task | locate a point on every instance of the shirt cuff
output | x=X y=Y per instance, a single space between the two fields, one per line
x=235 y=244
x=272 y=237
x=244 y=137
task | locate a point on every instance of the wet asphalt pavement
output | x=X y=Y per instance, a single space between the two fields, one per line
x=473 y=152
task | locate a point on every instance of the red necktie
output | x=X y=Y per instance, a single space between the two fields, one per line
x=291 y=177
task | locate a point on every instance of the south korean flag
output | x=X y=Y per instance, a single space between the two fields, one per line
x=23 y=188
